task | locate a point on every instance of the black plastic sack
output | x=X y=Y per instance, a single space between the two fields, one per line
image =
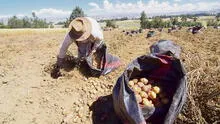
x=109 y=62
x=150 y=34
x=162 y=67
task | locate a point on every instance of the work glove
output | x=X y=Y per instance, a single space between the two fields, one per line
x=60 y=62
x=55 y=72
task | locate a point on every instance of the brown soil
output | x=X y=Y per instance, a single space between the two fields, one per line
x=30 y=95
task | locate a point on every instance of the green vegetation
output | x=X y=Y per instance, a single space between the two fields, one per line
x=60 y=23
x=26 y=22
x=3 y=26
x=77 y=12
x=174 y=20
x=218 y=17
x=125 y=24
x=128 y=24
x=35 y=22
x=143 y=20
x=213 y=23
x=155 y=22
x=117 y=19
x=158 y=22
x=111 y=23
x=183 y=18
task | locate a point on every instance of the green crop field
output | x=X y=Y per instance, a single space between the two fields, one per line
x=127 y=24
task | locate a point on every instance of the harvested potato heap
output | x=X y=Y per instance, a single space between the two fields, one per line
x=147 y=94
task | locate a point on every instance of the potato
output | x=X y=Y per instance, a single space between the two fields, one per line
x=146 y=88
x=165 y=100
x=140 y=84
x=135 y=80
x=131 y=83
x=138 y=97
x=156 y=89
x=144 y=80
x=146 y=102
x=143 y=94
x=152 y=95
x=137 y=88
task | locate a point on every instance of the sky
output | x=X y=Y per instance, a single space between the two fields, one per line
x=96 y=8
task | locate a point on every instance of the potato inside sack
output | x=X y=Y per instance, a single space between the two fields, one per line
x=144 y=80
x=152 y=94
x=140 y=84
x=135 y=80
x=156 y=89
x=131 y=83
x=137 y=88
x=146 y=88
x=146 y=102
x=143 y=94
x=147 y=93
x=138 y=97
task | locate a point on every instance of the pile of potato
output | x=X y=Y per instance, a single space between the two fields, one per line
x=147 y=94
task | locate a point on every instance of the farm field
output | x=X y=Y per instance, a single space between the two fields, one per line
x=30 y=96
x=135 y=24
x=126 y=24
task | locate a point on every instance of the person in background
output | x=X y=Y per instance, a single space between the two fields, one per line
x=87 y=35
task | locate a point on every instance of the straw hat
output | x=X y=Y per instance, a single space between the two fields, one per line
x=80 y=29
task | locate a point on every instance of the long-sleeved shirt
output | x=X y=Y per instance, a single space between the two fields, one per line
x=84 y=48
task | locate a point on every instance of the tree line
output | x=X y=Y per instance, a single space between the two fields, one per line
x=158 y=22
x=145 y=22
x=26 y=22
x=168 y=21
x=36 y=22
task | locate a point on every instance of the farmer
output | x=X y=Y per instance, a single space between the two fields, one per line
x=86 y=33
x=196 y=29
